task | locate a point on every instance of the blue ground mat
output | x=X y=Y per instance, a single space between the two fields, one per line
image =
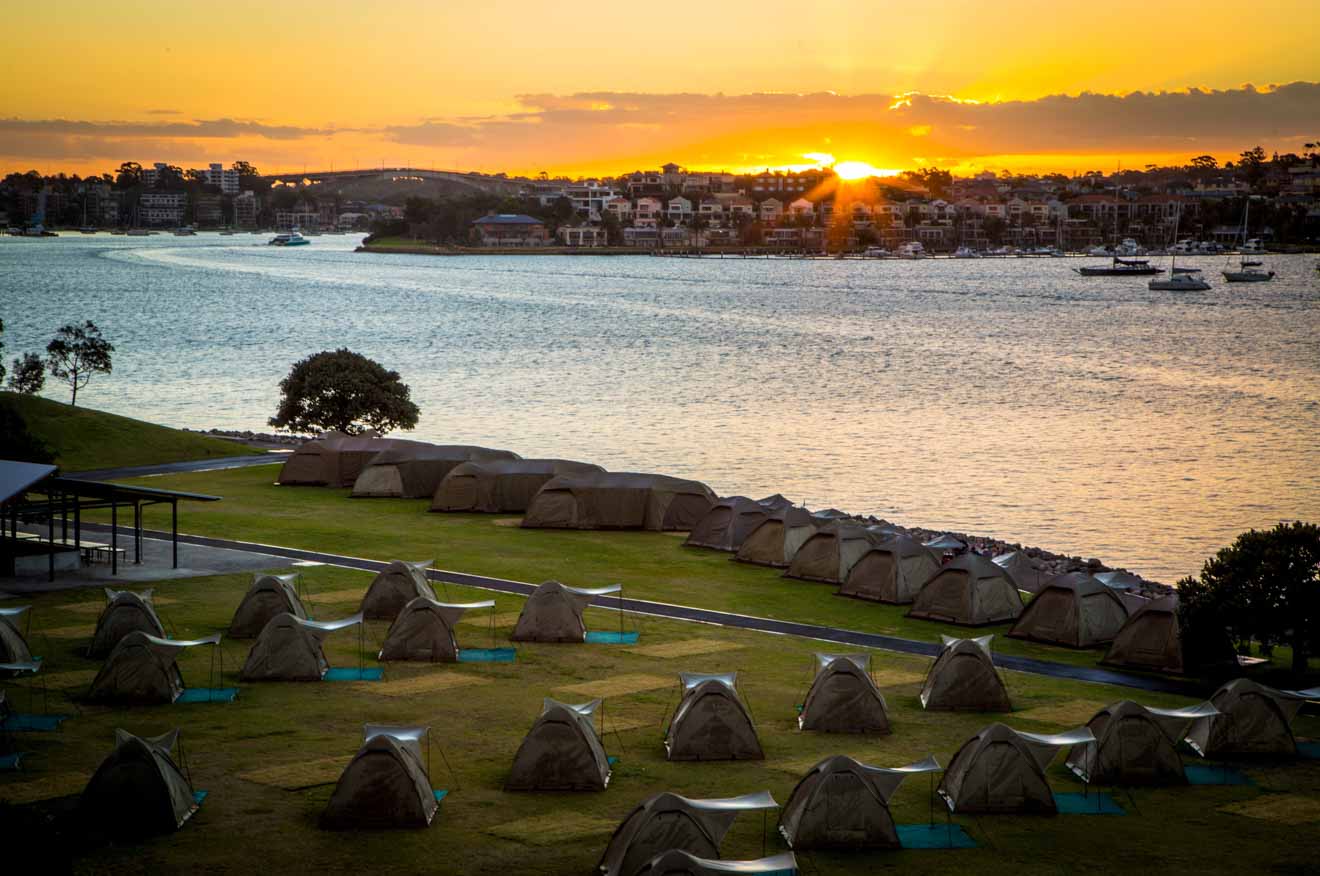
x=1309 y=750
x=199 y=797
x=10 y=762
x=1093 y=803
x=1215 y=775
x=601 y=637
x=352 y=673
x=613 y=759
x=486 y=655
x=934 y=836
x=17 y=723
x=208 y=695
x=440 y=795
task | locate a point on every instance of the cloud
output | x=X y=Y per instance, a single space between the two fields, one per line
x=163 y=112
x=201 y=128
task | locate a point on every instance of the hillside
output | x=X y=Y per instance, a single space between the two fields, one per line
x=85 y=439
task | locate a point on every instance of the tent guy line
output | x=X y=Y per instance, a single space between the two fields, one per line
x=708 y=616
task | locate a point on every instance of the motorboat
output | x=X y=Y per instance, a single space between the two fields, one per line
x=185 y=231
x=876 y=252
x=966 y=252
x=289 y=238
x=913 y=250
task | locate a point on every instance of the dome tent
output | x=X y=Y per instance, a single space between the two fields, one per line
x=619 y=500
x=963 y=678
x=13 y=645
x=831 y=552
x=1135 y=745
x=334 y=459
x=711 y=721
x=124 y=612
x=562 y=751
x=969 y=590
x=386 y=785
x=1252 y=719
x=289 y=649
x=1002 y=771
x=727 y=525
x=1152 y=640
x=268 y=596
x=843 y=698
x=777 y=539
x=669 y=821
x=553 y=613
x=1072 y=609
x=676 y=862
x=501 y=486
x=394 y=587
x=424 y=631
x=143 y=669
x=414 y=470
x=891 y=571
x=1022 y=570
x=139 y=790
x=843 y=804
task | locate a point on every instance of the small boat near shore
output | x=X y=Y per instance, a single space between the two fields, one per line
x=288 y=238
x=1120 y=267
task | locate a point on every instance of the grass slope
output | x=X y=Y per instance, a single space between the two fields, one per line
x=247 y=826
x=85 y=439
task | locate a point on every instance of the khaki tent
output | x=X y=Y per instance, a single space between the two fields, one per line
x=1150 y=638
x=562 y=751
x=1022 y=569
x=727 y=525
x=832 y=551
x=414 y=470
x=268 y=596
x=668 y=821
x=843 y=804
x=424 y=631
x=333 y=459
x=969 y=590
x=553 y=613
x=289 y=649
x=1072 y=609
x=1119 y=580
x=619 y=500
x=1252 y=719
x=777 y=539
x=1002 y=771
x=138 y=790
x=385 y=785
x=892 y=571
x=501 y=486
x=711 y=721
x=963 y=678
x=13 y=647
x=124 y=612
x=676 y=862
x=843 y=698
x=143 y=669
x=394 y=587
x=1135 y=745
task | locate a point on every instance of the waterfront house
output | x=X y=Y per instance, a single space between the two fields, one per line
x=620 y=208
x=510 y=229
x=771 y=210
x=582 y=235
x=648 y=210
x=680 y=209
x=802 y=207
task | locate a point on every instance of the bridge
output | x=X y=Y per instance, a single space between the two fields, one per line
x=476 y=181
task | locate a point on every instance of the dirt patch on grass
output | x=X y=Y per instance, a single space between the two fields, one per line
x=44 y=787
x=1070 y=713
x=296 y=776
x=684 y=648
x=74 y=632
x=1289 y=809
x=99 y=606
x=481 y=619
x=551 y=830
x=419 y=684
x=620 y=685
x=78 y=678
x=353 y=595
x=508 y=521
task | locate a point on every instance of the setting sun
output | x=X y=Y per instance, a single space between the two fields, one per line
x=860 y=170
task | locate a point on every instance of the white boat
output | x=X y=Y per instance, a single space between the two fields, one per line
x=913 y=250
x=288 y=238
x=876 y=252
x=966 y=252
x=1249 y=270
x=185 y=231
x=1129 y=247
x=1178 y=281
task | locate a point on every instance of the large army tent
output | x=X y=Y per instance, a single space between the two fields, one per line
x=1022 y=569
x=892 y=571
x=775 y=541
x=1002 y=771
x=727 y=525
x=139 y=790
x=394 y=587
x=124 y=612
x=711 y=721
x=424 y=631
x=843 y=804
x=562 y=751
x=143 y=669
x=13 y=646
x=334 y=459
x=969 y=590
x=676 y=862
x=669 y=821
x=1135 y=745
x=289 y=649
x=1252 y=719
x=412 y=470
x=501 y=486
x=386 y=785
x=268 y=596
x=1072 y=609
x=619 y=500
x=309 y=462
x=830 y=553
x=963 y=678
x=553 y=613
x=843 y=698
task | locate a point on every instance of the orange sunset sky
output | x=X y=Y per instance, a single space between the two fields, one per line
x=605 y=87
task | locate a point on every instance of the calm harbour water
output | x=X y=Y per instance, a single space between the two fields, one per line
x=1006 y=397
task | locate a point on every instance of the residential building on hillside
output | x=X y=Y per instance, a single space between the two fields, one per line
x=770 y=210
x=245 y=210
x=510 y=229
x=161 y=209
x=582 y=235
x=679 y=210
x=219 y=175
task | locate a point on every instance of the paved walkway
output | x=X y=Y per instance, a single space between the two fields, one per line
x=833 y=635
x=138 y=471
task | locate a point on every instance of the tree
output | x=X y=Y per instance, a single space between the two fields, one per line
x=1252 y=164
x=76 y=353
x=29 y=374
x=243 y=168
x=129 y=175
x=2 y=350
x=1264 y=587
x=346 y=391
x=16 y=442
x=1204 y=162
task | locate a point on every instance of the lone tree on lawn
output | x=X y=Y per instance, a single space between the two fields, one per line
x=76 y=353
x=29 y=374
x=345 y=391
x=1264 y=587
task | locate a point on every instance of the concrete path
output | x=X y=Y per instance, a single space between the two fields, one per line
x=833 y=635
x=137 y=471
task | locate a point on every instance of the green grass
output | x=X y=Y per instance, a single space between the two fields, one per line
x=85 y=439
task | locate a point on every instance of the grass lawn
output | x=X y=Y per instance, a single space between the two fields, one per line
x=85 y=439
x=248 y=825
